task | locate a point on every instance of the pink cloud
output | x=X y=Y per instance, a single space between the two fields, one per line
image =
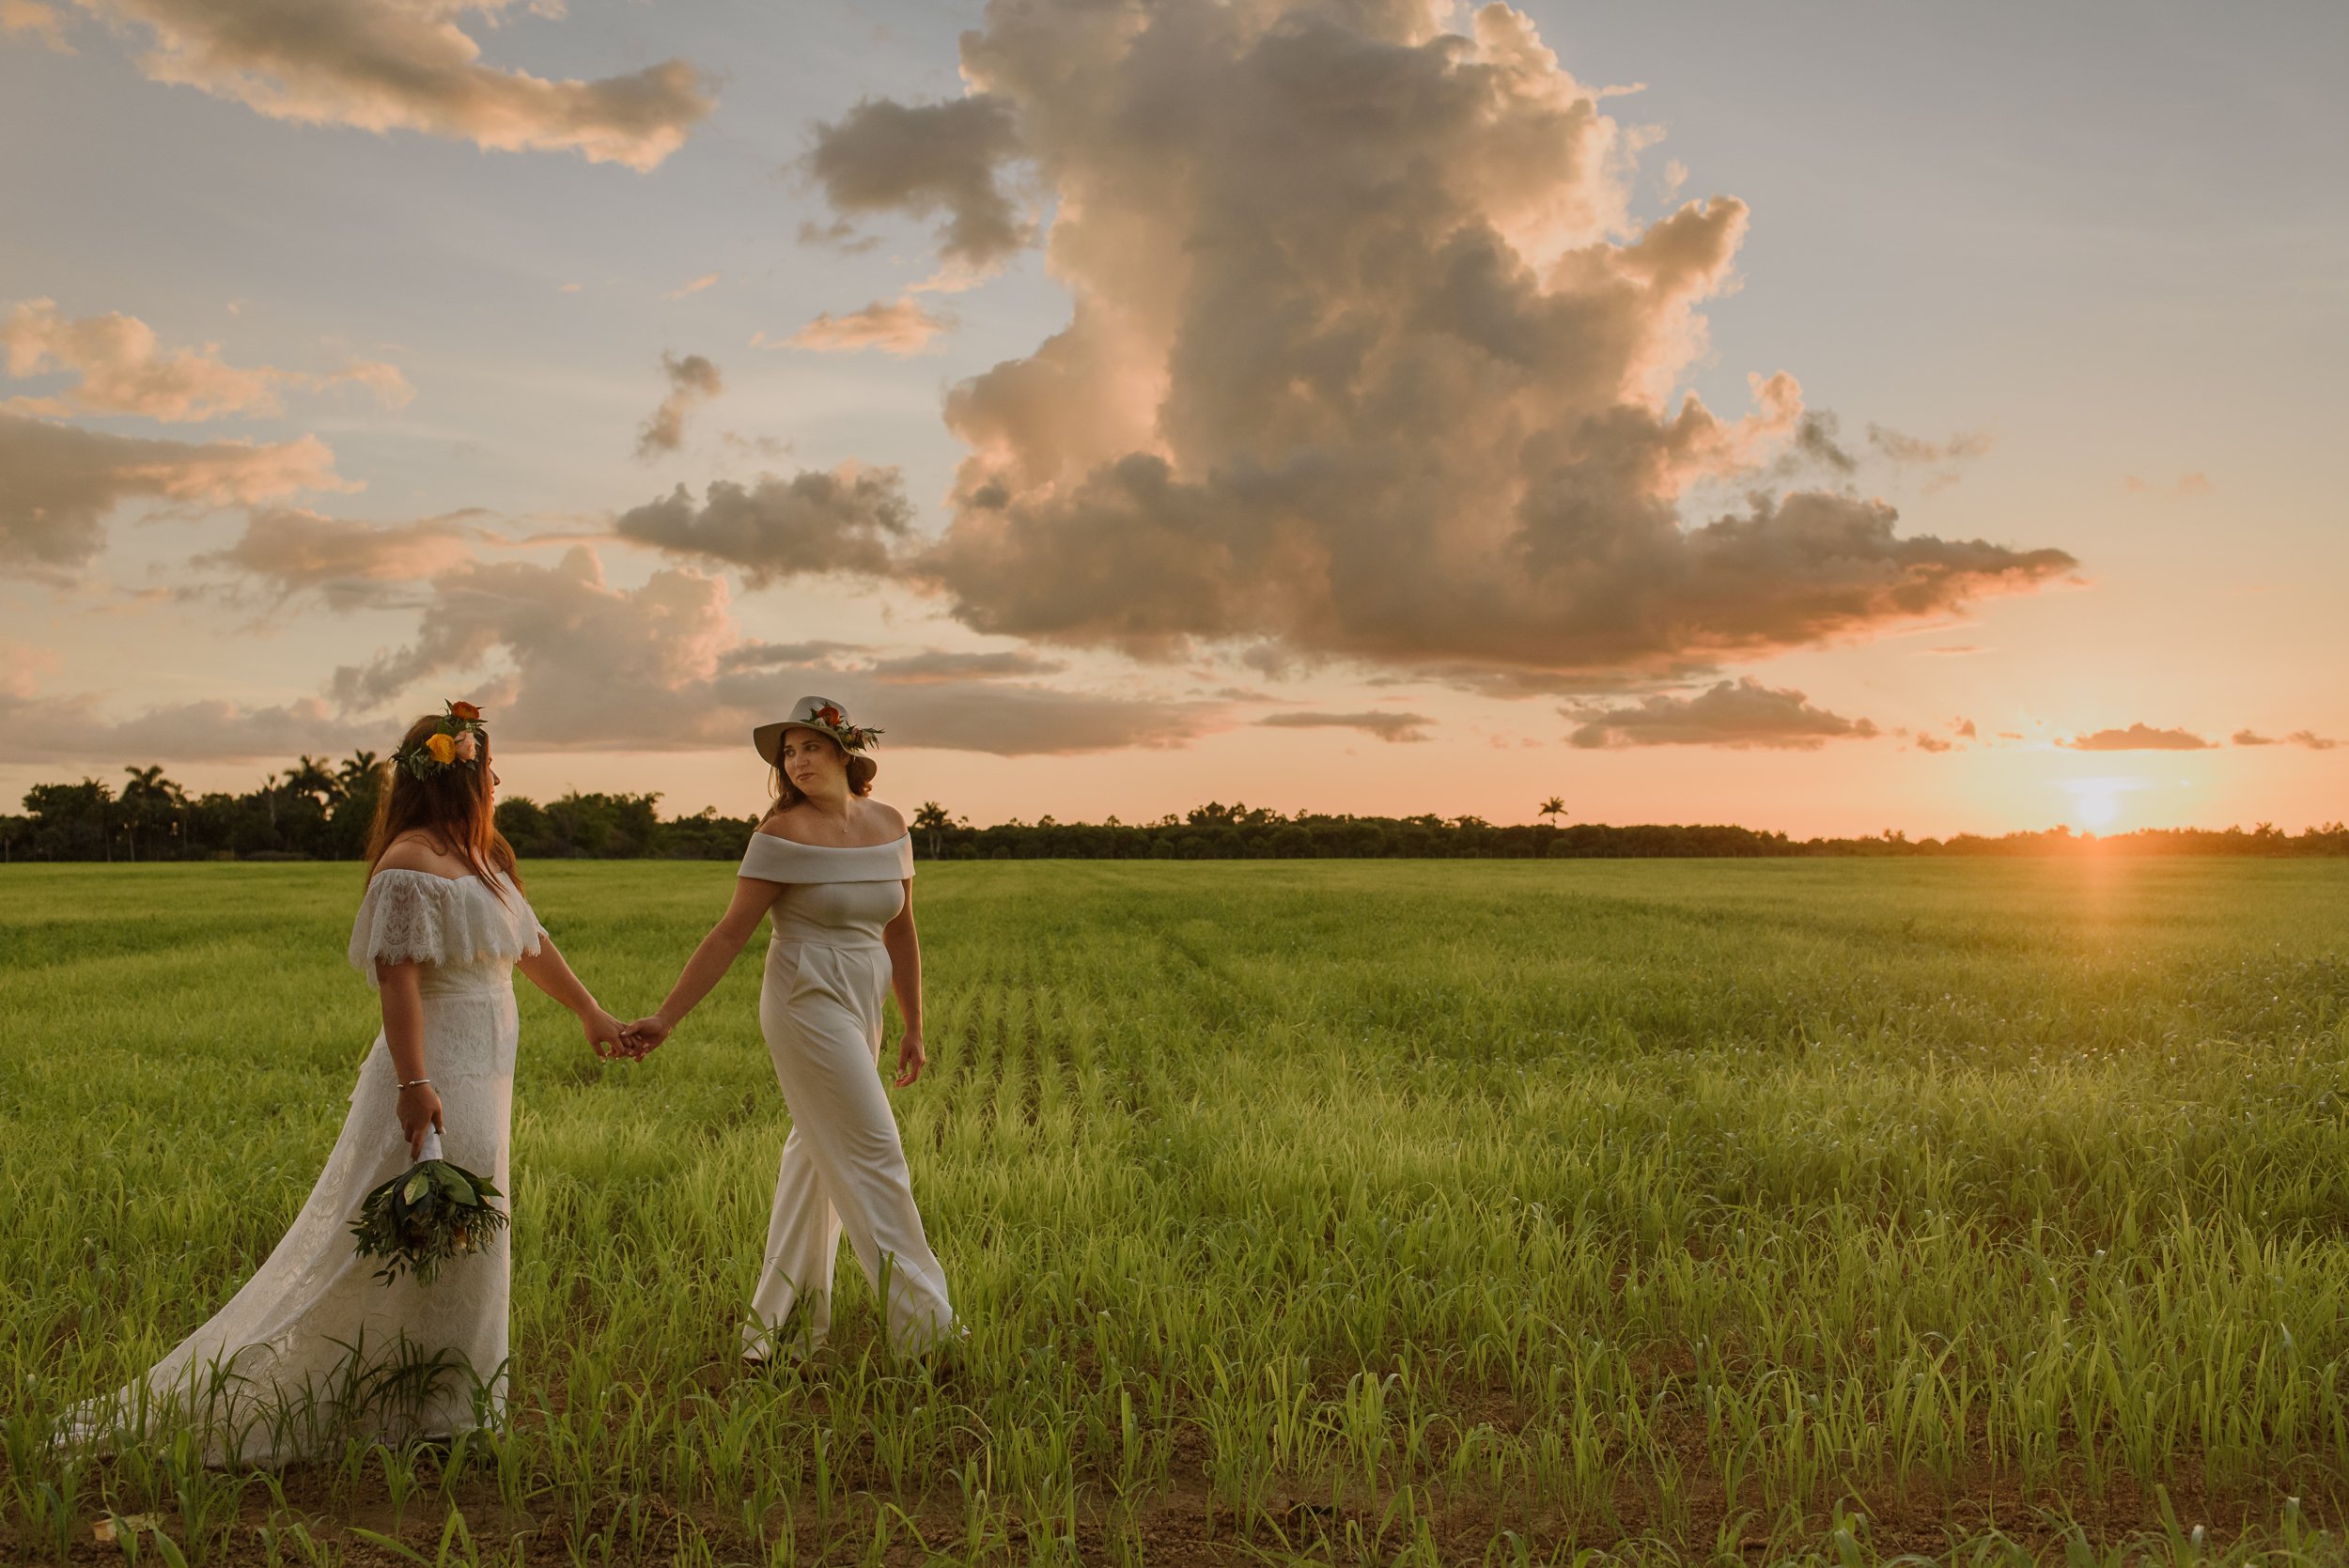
x=120 y=367
x=899 y=326
x=1740 y=714
x=569 y=661
x=408 y=65
x=2138 y=738
x=58 y=482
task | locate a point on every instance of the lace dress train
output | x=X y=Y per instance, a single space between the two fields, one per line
x=314 y=1349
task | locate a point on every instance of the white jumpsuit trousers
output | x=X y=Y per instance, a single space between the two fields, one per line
x=844 y=1168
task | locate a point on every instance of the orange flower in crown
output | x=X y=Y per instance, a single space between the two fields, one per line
x=459 y=740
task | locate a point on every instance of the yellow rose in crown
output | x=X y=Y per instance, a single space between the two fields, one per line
x=443 y=748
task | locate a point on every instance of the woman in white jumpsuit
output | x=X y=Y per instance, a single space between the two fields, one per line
x=835 y=869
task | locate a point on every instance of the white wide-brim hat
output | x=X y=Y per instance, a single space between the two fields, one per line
x=829 y=719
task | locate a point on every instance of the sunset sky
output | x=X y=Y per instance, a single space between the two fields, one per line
x=1826 y=418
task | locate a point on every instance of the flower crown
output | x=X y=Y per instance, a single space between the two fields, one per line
x=459 y=738
x=852 y=737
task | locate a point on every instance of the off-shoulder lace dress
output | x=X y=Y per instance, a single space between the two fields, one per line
x=314 y=1349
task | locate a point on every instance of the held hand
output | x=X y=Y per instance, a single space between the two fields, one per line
x=646 y=1036
x=419 y=1113
x=604 y=1034
x=912 y=1058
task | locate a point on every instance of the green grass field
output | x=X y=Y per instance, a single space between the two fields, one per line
x=1462 y=1212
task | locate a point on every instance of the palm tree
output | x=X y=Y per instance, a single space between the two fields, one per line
x=147 y=796
x=1553 y=808
x=310 y=777
x=932 y=820
x=353 y=773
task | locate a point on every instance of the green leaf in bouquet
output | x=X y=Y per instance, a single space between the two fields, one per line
x=418 y=1185
x=453 y=1183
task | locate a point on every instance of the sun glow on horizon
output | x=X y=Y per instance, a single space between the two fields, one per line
x=2096 y=801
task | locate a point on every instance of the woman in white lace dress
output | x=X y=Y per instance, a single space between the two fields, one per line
x=314 y=1349
x=836 y=870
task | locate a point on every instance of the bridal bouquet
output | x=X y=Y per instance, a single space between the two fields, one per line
x=433 y=1211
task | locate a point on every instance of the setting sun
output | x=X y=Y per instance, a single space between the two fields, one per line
x=2096 y=802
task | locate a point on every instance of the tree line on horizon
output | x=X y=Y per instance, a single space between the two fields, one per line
x=320 y=810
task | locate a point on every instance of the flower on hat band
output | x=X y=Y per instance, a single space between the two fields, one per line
x=829 y=719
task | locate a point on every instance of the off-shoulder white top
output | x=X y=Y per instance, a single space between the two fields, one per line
x=835 y=897
x=414 y=917
x=770 y=859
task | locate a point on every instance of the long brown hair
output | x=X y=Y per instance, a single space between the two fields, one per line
x=787 y=795
x=452 y=807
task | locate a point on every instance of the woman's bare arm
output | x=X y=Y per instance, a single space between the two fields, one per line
x=905 y=978
x=402 y=997
x=753 y=898
x=548 y=969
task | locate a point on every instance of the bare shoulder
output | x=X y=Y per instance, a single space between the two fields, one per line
x=417 y=852
x=778 y=823
x=870 y=823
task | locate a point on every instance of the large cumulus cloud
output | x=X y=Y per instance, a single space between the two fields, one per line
x=36 y=19
x=1366 y=359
